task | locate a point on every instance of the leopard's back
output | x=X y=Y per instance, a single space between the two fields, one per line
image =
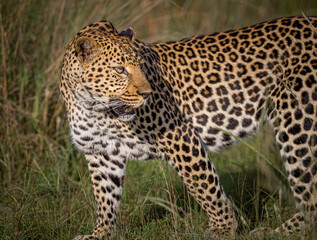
x=230 y=81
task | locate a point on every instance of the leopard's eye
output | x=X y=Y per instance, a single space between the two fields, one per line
x=120 y=70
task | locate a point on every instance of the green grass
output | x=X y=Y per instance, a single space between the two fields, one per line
x=45 y=190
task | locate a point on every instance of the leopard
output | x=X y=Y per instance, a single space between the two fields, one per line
x=180 y=100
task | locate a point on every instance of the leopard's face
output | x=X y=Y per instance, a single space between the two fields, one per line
x=106 y=74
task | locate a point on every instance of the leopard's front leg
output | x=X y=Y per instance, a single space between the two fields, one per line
x=107 y=180
x=186 y=153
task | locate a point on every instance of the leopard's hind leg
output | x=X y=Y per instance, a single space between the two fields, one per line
x=296 y=136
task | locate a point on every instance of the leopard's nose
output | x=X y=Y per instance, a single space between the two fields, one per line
x=145 y=95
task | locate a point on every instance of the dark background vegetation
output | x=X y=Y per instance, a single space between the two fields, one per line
x=45 y=190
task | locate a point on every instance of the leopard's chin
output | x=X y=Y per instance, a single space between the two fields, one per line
x=126 y=118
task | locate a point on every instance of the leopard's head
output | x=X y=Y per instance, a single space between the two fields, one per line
x=104 y=73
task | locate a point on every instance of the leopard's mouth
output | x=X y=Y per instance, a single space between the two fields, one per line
x=123 y=110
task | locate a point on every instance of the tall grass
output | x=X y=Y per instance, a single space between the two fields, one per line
x=45 y=190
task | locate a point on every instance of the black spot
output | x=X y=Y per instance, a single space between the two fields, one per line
x=241 y=70
x=314 y=95
x=301 y=140
x=224 y=102
x=233 y=123
x=213 y=48
x=94 y=165
x=195 y=151
x=120 y=165
x=304 y=71
x=202 y=176
x=210 y=141
x=253 y=94
x=306 y=178
x=221 y=58
x=186 y=138
x=190 y=53
x=310 y=81
x=221 y=91
x=115 y=179
x=291 y=160
x=235 y=85
x=195 y=141
x=115 y=151
x=295 y=129
x=196 y=167
x=178 y=48
x=309 y=109
x=288 y=148
x=246 y=122
x=283 y=137
x=305 y=97
x=197 y=105
x=191 y=91
x=86 y=138
x=298 y=114
x=213 y=130
x=233 y=56
x=261 y=74
x=198 y=129
x=212 y=190
x=306 y=198
x=308 y=123
x=249 y=109
x=187 y=158
x=236 y=111
x=301 y=152
x=298 y=84
x=261 y=54
x=242 y=134
x=296 y=172
x=198 y=80
x=109 y=189
x=103 y=190
x=97 y=177
x=213 y=78
x=206 y=92
x=226 y=137
x=218 y=119
x=210 y=179
x=238 y=98
x=202 y=119
x=307 y=161
x=299 y=189
x=188 y=169
x=202 y=164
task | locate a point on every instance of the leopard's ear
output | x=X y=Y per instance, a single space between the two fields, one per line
x=86 y=49
x=128 y=33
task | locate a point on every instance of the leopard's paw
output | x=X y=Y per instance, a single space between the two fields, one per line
x=218 y=234
x=86 y=237
x=261 y=232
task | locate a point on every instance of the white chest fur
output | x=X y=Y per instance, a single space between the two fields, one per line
x=95 y=132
